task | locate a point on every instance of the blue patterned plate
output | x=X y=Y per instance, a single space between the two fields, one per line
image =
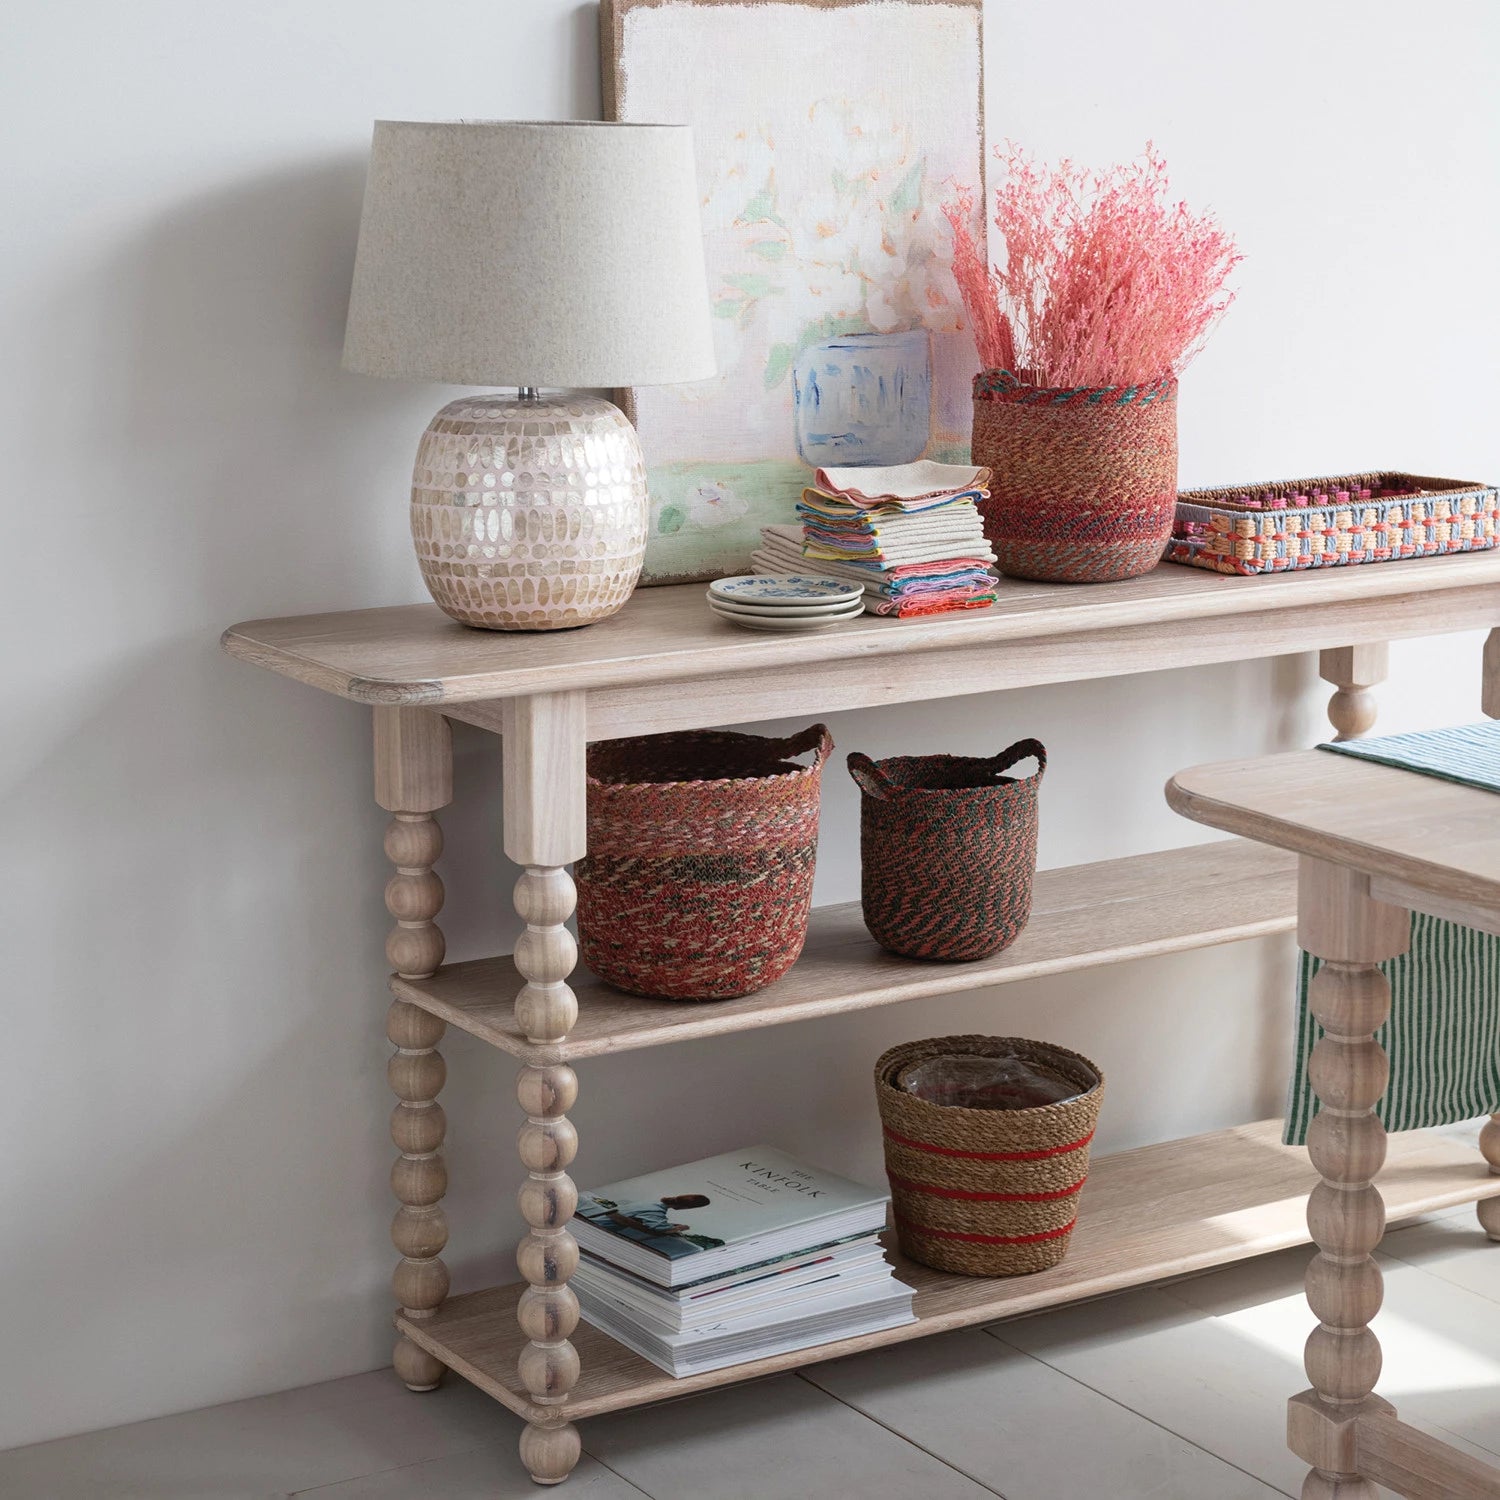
x=767 y=592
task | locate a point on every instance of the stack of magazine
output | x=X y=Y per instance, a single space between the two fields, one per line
x=739 y=1257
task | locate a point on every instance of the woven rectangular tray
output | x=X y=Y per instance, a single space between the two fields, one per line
x=1357 y=518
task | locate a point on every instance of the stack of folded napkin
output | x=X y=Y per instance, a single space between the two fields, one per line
x=911 y=534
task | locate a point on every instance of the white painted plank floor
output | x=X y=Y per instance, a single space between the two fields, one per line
x=1170 y=1393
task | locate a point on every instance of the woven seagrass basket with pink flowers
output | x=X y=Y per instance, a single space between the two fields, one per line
x=1108 y=289
x=1084 y=482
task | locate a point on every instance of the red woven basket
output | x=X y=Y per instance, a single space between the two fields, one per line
x=698 y=880
x=1084 y=486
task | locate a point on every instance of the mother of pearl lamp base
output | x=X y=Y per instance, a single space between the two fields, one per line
x=529 y=513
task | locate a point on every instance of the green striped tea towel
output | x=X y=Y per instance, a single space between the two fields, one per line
x=1443 y=1037
x=1469 y=753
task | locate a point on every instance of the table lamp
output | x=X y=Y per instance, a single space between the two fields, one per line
x=524 y=254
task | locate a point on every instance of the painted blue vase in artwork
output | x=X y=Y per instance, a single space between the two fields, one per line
x=864 y=398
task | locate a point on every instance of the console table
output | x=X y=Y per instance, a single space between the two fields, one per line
x=1374 y=844
x=665 y=662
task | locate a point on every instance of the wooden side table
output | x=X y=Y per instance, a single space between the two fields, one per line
x=664 y=662
x=1374 y=844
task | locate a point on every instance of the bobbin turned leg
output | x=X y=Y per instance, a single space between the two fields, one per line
x=413 y=777
x=544 y=830
x=1350 y=996
x=1489 y=1136
x=1489 y=1146
x=1354 y=671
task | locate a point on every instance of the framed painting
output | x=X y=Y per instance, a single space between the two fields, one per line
x=829 y=133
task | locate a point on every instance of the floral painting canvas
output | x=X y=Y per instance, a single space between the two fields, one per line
x=829 y=133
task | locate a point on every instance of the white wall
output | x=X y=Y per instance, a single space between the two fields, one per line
x=194 y=1182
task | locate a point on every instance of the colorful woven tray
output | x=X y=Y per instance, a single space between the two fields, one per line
x=1354 y=518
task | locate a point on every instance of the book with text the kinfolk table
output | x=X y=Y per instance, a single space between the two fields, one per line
x=709 y=1217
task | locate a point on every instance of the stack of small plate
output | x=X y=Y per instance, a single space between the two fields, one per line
x=785 y=603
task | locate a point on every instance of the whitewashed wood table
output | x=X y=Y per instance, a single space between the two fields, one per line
x=1374 y=844
x=664 y=662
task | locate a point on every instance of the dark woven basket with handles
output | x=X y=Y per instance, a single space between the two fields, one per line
x=698 y=880
x=947 y=850
x=986 y=1192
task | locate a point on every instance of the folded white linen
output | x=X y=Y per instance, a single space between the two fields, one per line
x=896 y=482
x=901 y=528
x=897 y=557
x=786 y=543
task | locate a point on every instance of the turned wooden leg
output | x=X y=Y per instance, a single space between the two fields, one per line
x=544 y=830
x=547 y=1257
x=1489 y=1145
x=418 y=1179
x=1351 y=998
x=1489 y=1135
x=414 y=776
x=1354 y=671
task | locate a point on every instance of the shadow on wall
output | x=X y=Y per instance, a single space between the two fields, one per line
x=195 y=887
x=205 y=990
x=257 y=461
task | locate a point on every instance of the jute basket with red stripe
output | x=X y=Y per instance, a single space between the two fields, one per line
x=986 y=1192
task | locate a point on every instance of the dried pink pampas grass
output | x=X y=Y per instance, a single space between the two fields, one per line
x=1106 y=281
x=992 y=328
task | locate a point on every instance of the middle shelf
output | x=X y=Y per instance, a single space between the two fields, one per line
x=1082 y=916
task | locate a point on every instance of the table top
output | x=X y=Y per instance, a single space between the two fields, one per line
x=1437 y=836
x=414 y=654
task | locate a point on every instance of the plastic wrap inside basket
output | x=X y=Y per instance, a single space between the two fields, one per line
x=964 y=1081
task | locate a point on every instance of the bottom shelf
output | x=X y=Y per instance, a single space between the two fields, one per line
x=1146 y=1215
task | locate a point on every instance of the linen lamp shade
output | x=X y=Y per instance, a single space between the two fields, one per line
x=530 y=254
x=527 y=254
